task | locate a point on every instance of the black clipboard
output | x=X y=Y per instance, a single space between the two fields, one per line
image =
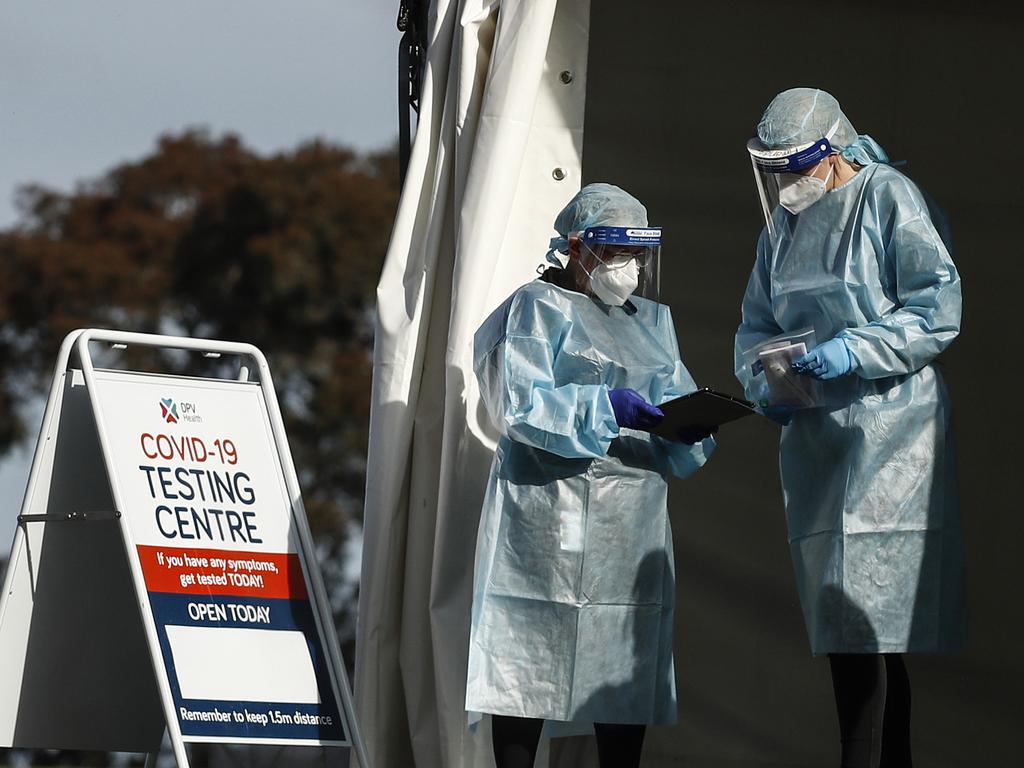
x=703 y=408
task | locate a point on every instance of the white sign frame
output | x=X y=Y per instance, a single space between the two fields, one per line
x=16 y=608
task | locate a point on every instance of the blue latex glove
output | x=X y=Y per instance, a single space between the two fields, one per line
x=780 y=414
x=632 y=411
x=826 y=361
x=693 y=435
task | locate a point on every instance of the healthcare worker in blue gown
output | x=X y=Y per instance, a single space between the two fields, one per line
x=574 y=580
x=869 y=477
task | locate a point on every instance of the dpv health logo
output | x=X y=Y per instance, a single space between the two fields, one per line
x=168 y=410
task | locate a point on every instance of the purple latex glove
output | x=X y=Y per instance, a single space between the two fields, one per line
x=826 y=361
x=632 y=411
x=693 y=435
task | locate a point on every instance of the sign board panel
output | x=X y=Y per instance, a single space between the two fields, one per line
x=204 y=500
x=163 y=531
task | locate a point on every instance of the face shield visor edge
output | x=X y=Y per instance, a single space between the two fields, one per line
x=774 y=168
x=625 y=261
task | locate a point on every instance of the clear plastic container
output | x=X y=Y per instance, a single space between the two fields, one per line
x=773 y=382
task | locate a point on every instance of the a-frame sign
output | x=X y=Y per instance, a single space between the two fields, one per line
x=163 y=574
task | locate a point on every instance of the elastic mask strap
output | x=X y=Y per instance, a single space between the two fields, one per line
x=828 y=175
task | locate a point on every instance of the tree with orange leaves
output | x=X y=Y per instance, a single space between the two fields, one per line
x=206 y=238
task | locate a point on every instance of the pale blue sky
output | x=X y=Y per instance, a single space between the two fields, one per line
x=87 y=85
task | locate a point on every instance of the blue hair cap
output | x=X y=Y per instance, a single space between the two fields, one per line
x=595 y=205
x=804 y=115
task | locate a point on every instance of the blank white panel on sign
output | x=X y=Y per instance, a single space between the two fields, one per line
x=243 y=664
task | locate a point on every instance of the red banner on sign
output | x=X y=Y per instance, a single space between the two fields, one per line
x=222 y=572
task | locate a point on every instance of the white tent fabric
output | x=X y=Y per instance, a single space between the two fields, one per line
x=497 y=154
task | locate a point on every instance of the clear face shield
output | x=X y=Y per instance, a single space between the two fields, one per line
x=786 y=178
x=622 y=262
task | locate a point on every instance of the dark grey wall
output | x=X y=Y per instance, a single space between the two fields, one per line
x=674 y=90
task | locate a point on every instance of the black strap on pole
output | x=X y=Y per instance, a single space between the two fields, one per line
x=412 y=58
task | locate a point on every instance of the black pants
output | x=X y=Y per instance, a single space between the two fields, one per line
x=873 y=704
x=515 y=742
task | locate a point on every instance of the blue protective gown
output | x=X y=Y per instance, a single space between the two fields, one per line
x=574 y=583
x=869 y=480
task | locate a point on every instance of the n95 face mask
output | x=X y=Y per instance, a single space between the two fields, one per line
x=613 y=283
x=620 y=262
x=798 y=193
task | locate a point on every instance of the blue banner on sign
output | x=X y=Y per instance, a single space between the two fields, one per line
x=227 y=718
x=258 y=720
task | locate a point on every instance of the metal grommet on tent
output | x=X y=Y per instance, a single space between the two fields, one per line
x=558 y=174
x=565 y=76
